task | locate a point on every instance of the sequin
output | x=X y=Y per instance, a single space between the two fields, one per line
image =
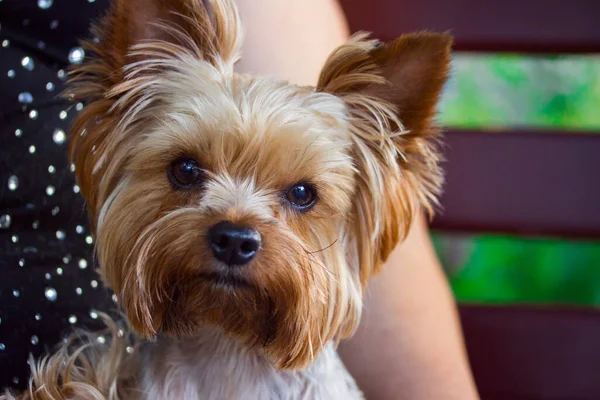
x=49 y=86
x=101 y=339
x=50 y=190
x=93 y=315
x=59 y=271
x=79 y=291
x=2 y=346
x=16 y=293
x=48 y=276
x=60 y=235
x=14 y=238
x=79 y=106
x=44 y=4
x=54 y=24
x=25 y=98
x=129 y=349
x=33 y=114
x=35 y=224
x=41 y=45
x=5 y=43
x=16 y=380
x=59 y=135
x=18 y=132
x=13 y=183
x=11 y=73
x=5 y=221
x=37 y=317
x=115 y=299
x=35 y=340
x=51 y=169
x=61 y=74
x=50 y=294
x=32 y=149
x=30 y=250
x=55 y=211
x=76 y=189
x=79 y=229
x=89 y=240
x=94 y=284
x=76 y=55
x=72 y=319
x=66 y=259
x=27 y=63
x=21 y=262
x=62 y=115
x=83 y=263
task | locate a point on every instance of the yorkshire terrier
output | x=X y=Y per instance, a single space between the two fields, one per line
x=238 y=218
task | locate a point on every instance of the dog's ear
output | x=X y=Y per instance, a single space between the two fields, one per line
x=209 y=29
x=391 y=92
x=137 y=41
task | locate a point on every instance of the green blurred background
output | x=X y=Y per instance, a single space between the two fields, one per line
x=498 y=91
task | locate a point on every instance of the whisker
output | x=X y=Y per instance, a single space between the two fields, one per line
x=323 y=249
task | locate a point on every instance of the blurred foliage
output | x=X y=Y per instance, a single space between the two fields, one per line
x=500 y=91
x=508 y=90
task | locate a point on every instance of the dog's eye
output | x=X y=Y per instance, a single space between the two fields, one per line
x=185 y=173
x=302 y=196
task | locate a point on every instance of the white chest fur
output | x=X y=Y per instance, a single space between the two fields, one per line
x=212 y=366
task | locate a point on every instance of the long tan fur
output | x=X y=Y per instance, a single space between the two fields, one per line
x=395 y=133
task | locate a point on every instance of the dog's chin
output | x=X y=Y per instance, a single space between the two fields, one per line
x=229 y=301
x=226 y=280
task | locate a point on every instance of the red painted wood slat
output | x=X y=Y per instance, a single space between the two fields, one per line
x=524 y=182
x=533 y=353
x=507 y=25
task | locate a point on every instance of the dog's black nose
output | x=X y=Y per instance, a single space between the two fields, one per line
x=233 y=244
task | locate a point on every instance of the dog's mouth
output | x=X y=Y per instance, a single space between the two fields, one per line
x=225 y=280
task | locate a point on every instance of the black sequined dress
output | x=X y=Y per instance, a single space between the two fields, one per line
x=47 y=278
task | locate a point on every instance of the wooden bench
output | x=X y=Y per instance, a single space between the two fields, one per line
x=518 y=181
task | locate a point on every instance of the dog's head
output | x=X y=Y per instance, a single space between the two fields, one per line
x=246 y=202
